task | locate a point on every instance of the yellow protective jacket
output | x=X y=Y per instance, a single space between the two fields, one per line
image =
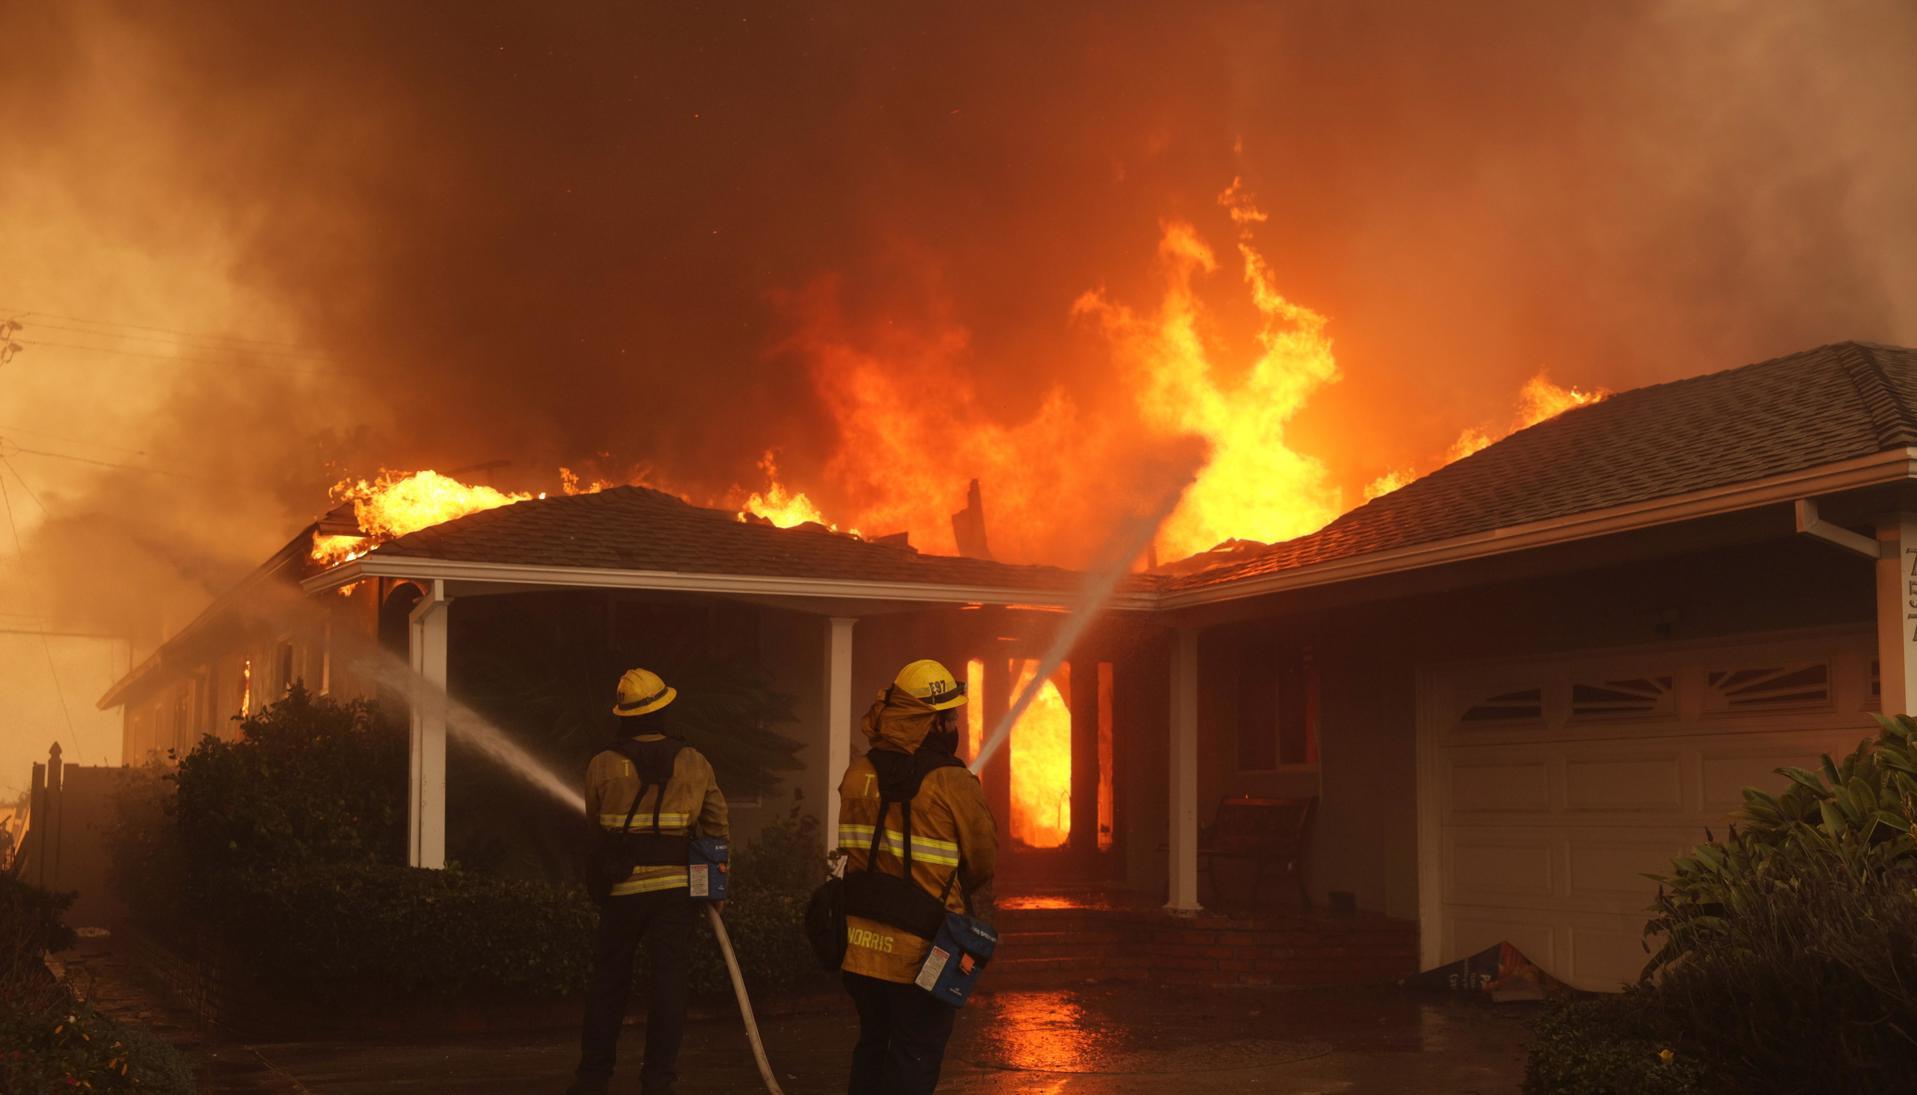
x=952 y=831
x=691 y=798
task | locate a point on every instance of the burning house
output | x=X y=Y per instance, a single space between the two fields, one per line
x=1510 y=688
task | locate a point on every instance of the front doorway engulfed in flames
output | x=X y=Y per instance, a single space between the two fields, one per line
x=1052 y=785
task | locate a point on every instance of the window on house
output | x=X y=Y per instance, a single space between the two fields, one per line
x=1277 y=708
x=283 y=658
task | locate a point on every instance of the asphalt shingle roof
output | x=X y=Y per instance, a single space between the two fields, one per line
x=1808 y=409
x=1821 y=406
x=636 y=528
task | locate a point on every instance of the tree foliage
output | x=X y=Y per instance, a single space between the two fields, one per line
x=551 y=680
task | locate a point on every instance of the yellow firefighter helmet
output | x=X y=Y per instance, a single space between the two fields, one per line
x=931 y=683
x=641 y=692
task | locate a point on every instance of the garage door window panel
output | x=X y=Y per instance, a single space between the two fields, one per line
x=1797 y=686
x=1628 y=698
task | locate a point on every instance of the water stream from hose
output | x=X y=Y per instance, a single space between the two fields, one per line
x=472 y=729
x=1133 y=536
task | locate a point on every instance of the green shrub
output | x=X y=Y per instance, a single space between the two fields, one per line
x=772 y=879
x=285 y=844
x=149 y=868
x=309 y=780
x=51 y=1042
x=339 y=932
x=1609 y=1045
x=31 y=924
x=1787 y=948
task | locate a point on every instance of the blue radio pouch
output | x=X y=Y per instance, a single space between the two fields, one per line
x=959 y=953
x=706 y=868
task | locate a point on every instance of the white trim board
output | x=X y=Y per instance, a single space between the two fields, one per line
x=1891 y=466
x=408 y=566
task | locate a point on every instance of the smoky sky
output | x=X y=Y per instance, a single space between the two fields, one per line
x=573 y=234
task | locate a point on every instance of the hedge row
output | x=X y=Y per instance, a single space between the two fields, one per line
x=342 y=931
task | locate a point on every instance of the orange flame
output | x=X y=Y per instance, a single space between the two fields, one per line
x=1538 y=401
x=914 y=423
x=782 y=507
x=396 y=503
x=1253 y=485
x=1042 y=762
x=569 y=484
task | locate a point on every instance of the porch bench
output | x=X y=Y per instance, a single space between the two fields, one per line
x=1267 y=832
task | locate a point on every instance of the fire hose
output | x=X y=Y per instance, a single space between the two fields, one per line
x=745 y=1002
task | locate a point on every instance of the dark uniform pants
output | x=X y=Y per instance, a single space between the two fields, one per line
x=662 y=919
x=902 y=1036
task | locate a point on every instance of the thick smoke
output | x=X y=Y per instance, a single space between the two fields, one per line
x=617 y=237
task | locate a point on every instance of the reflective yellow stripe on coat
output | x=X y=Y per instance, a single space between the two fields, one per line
x=692 y=804
x=924 y=849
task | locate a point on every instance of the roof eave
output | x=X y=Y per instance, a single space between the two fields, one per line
x=375 y=565
x=1889 y=466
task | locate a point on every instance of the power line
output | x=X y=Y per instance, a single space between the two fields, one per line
x=61 y=634
x=162 y=340
x=46 y=645
x=73 y=440
x=4 y=462
x=201 y=336
x=112 y=464
x=228 y=363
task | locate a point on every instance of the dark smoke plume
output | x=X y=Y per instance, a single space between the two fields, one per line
x=574 y=235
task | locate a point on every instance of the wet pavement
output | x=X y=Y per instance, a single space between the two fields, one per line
x=1088 y=1040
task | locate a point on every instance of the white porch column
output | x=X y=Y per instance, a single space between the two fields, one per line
x=1897 y=613
x=838 y=720
x=426 y=788
x=1183 y=770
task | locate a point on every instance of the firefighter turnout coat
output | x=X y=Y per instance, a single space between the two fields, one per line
x=952 y=831
x=692 y=806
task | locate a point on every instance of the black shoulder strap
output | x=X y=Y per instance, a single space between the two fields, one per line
x=653 y=762
x=900 y=777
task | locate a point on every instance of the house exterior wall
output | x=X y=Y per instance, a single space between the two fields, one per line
x=202 y=693
x=1365 y=839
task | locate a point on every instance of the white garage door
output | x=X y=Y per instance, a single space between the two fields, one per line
x=1548 y=789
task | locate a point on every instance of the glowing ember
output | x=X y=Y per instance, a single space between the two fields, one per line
x=1538 y=401
x=246 y=688
x=397 y=503
x=1042 y=762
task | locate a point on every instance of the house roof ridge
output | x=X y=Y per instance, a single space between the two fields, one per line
x=1890 y=414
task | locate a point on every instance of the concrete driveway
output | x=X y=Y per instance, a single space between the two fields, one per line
x=1091 y=1039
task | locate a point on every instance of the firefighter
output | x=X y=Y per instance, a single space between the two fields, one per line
x=894 y=900
x=653 y=790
